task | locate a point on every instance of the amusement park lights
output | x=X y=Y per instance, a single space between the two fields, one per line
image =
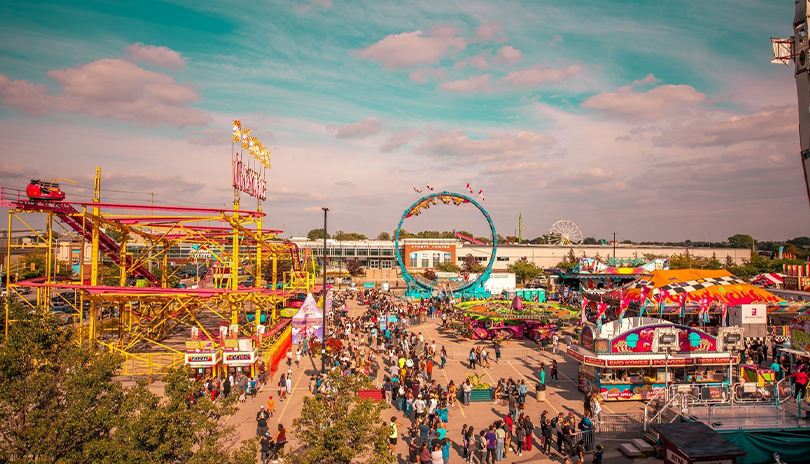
x=245 y=178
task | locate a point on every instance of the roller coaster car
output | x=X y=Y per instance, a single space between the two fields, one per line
x=47 y=191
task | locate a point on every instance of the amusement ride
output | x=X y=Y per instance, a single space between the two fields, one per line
x=137 y=311
x=418 y=285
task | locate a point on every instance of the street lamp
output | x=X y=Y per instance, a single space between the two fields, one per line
x=324 y=337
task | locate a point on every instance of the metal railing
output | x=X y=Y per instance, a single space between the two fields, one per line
x=620 y=426
x=587 y=437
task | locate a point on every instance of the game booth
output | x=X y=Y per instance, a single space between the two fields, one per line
x=632 y=358
x=204 y=358
x=240 y=355
x=308 y=321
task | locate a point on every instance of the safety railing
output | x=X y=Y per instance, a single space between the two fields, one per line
x=587 y=438
x=619 y=426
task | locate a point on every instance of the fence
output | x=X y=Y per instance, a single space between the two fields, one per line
x=620 y=426
x=456 y=353
x=587 y=437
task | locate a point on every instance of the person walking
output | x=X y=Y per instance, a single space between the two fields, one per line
x=443 y=357
x=554 y=370
x=466 y=391
x=520 y=438
x=282 y=387
x=288 y=383
x=392 y=438
x=471 y=358
x=529 y=427
x=491 y=445
x=261 y=421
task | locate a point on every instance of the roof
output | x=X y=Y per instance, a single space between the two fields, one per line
x=698 y=441
x=718 y=286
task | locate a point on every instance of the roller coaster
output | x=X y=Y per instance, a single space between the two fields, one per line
x=138 y=319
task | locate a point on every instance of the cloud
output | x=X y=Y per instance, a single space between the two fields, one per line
x=399 y=139
x=762 y=125
x=657 y=102
x=520 y=168
x=345 y=183
x=159 y=56
x=539 y=75
x=309 y=4
x=109 y=88
x=209 y=137
x=421 y=75
x=649 y=79
x=357 y=130
x=508 y=55
x=478 y=61
x=588 y=180
x=555 y=40
x=470 y=84
x=499 y=145
x=487 y=31
x=411 y=48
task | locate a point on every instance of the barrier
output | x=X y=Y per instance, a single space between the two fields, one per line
x=376 y=395
x=620 y=426
x=278 y=350
x=586 y=436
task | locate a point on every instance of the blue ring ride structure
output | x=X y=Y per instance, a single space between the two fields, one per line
x=420 y=288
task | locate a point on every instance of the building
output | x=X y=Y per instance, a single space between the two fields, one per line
x=424 y=253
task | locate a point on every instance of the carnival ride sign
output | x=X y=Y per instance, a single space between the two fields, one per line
x=640 y=340
x=800 y=332
x=247 y=180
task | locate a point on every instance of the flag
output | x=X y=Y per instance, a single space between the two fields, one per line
x=644 y=301
x=469 y=189
x=601 y=307
x=624 y=303
x=682 y=303
x=245 y=139
x=428 y=186
x=237 y=131
x=254 y=145
x=481 y=194
x=417 y=190
x=584 y=305
x=662 y=297
x=723 y=312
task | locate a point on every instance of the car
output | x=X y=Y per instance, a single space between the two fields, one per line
x=67 y=314
x=43 y=190
x=23 y=290
x=63 y=298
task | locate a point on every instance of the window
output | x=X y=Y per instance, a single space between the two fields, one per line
x=387 y=264
x=387 y=252
x=374 y=252
x=425 y=261
x=362 y=252
x=348 y=252
x=503 y=258
x=334 y=252
x=374 y=264
x=412 y=262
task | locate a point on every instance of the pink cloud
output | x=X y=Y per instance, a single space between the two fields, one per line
x=539 y=75
x=411 y=48
x=649 y=79
x=555 y=40
x=471 y=84
x=399 y=139
x=766 y=124
x=487 y=31
x=657 y=102
x=508 y=55
x=302 y=9
x=110 y=88
x=499 y=145
x=421 y=75
x=357 y=130
x=160 y=56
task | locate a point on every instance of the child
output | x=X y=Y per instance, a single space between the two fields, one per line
x=597 y=455
x=271 y=406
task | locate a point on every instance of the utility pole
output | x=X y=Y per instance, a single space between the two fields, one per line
x=520 y=227
x=325 y=336
x=614 y=246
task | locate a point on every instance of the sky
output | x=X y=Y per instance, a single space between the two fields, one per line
x=654 y=120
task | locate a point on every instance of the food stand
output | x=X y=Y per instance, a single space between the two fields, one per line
x=240 y=355
x=621 y=360
x=203 y=358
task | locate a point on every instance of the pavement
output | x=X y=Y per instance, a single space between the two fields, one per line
x=521 y=360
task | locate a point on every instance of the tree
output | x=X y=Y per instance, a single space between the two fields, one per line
x=353 y=267
x=714 y=263
x=447 y=266
x=741 y=241
x=383 y=236
x=316 y=234
x=60 y=402
x=524 y=270
x=590 y=241
x=571 y=257
x=471 y=266
x=729 y=262
x=342 y=428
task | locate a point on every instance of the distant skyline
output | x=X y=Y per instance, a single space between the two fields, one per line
x=660 y=121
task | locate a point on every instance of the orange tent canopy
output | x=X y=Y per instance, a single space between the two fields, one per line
x=716 y=286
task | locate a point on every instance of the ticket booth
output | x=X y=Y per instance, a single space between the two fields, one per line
x=240 y=355
x=696 y=443
x=203 y=358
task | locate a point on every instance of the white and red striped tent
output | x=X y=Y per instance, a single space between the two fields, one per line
x=768 y=279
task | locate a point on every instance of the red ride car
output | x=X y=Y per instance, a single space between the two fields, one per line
x=48 y=191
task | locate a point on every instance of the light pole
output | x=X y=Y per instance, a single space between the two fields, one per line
x=325 y=333
x=614 y=247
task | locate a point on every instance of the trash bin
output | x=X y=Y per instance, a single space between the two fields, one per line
x=540 y=392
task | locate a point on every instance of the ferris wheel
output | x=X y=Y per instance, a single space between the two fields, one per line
x=565 y=232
